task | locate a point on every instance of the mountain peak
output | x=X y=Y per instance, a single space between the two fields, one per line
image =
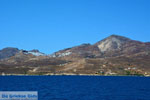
x=118 y=37
x=114 y=35
x=113 y=42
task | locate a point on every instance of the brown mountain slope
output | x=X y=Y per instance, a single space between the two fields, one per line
x=115 y=55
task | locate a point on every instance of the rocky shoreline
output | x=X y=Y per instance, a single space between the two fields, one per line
x=73 y=75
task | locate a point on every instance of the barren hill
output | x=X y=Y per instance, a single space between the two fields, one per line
x=114 y=55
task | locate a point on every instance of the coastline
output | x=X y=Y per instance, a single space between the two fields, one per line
x=77 y=75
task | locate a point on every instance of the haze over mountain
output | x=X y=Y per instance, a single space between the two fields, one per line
x=114 y=55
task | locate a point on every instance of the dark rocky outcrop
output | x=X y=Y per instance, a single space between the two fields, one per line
x=8 y=52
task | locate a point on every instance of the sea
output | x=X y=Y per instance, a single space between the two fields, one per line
x=80 y=87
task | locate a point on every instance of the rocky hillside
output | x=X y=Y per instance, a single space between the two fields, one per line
x=114 y=55
x=8 y=52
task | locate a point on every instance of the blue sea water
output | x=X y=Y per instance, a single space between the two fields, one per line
x=80 y=87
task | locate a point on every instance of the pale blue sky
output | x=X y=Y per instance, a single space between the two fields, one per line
x=52 y=25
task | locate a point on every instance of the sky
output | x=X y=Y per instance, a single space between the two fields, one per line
x=52 y=25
